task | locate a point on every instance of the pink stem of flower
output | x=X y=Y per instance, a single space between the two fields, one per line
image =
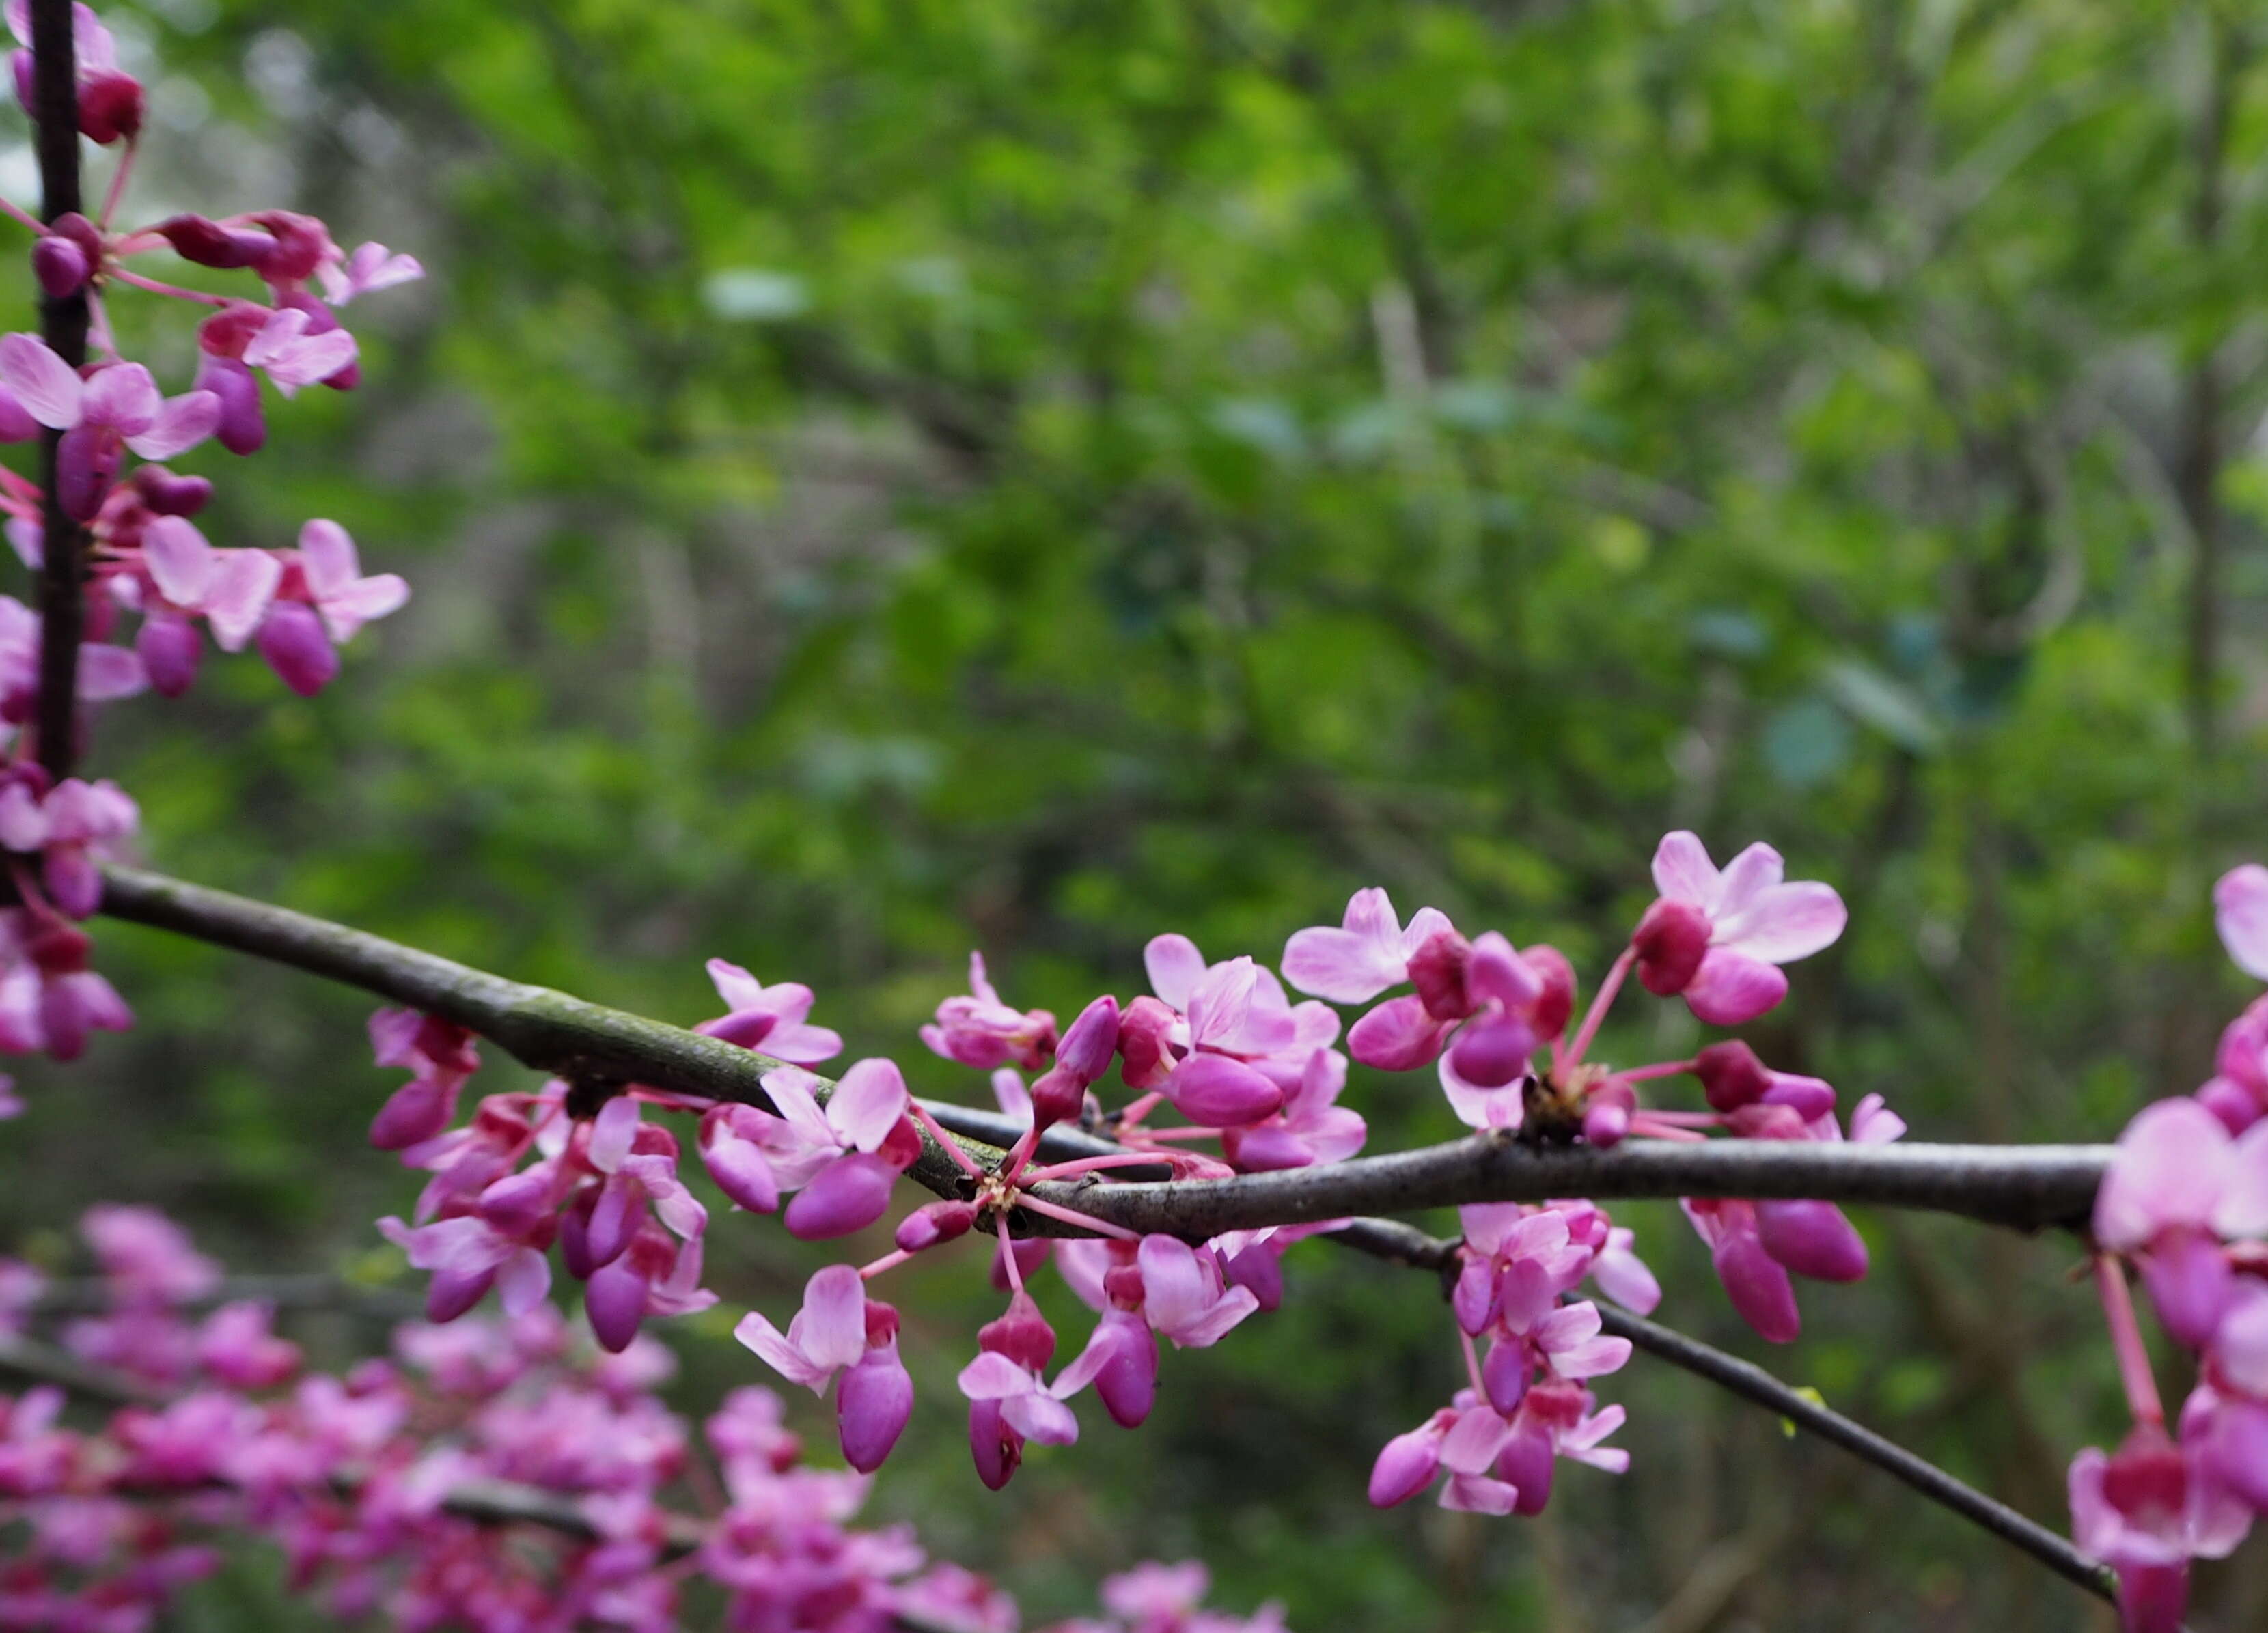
x=961 y=1159
x=1645 y=1127
x=2126 y=1341
x=1073 y=1216
x=1472 y=1363
x=1601 y=1002
x=889 y=1260
x=1089 y=1165
x=154 y=287
x=118 y=181
x=1142 y=1107
x=1018 y=1154
x=1008 y=1254
x=1662 y=1069
x=20 y=214
x=1685 y=1119
x=1180 y=1134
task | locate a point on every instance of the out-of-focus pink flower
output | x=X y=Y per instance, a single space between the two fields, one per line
x=982 y=1032
x=841 y=1161
x=2146 y=1510
x=115 y=404
x=1309 y=1126
x=72 y=826
x=1368 y=953
x=146 y=1257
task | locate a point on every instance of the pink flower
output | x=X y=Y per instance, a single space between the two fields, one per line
x=114 y=403
x=1309 y=1126
x=147 y=1257
x=1719 y=938
x=2146 y=1510
x=72 y=826
x=842 y=1161
x=441 y=1056
x=230 y=589
x=839 y=1330
x=295 y=348
x=105 y=673
x=369 y=268
x=236 y=1347
x=981 y=1031
x=2240 y=902
x=1184 y=1295
x=770 y=1019
x=110 y=100
x=2176 y=1168
x=1370 y=952
x=467 y=1255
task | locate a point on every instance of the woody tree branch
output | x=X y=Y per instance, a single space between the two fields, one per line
x=63 y=325
x=2026 y=1188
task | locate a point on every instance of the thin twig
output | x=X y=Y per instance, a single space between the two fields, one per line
x=2023 y=1187
x=62 y=325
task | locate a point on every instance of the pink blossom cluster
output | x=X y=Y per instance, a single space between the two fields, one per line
x=2185 y=1203
x=1249 y=1073
x=145 y=555
x=392 y=1490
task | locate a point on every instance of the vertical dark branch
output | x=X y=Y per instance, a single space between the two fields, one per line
x=63 y=325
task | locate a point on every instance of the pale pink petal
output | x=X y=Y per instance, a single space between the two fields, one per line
x=612 y=1132
x=800 y=1045
x=2172 y=1164
x=1782 y=922
x=1038 y=1416
x=1479 y=1494
x=1173 y=963
x=1425 y=924
x=237 y=594
x=327 y=555
x=1217 y=1320
x=1746 y=876
x=108 y=673
x=789 y=1088
x=1593 y=1357
x=22 y=822
x=2242 y=1209
x=181 y=423
x=1475 y=1439
x=1221 y=1001
x=1353 y=964
x=739 y=988
x=992 y=1376
x=522 y=1282
x=1682 y=870
x=180 y=560
x=366 y=600
x=123 y=396
x=834 y=1320
x=2240 y=902
x=1175 y=1289
x=868 y=1103
x=1623 y=1276
x=1874 y=1123
x=49 y=388
x=782 y=1356
x=1015 y=1099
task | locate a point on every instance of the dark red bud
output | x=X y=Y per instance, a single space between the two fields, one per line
x=230 y=329
x=1550 y=1012
x=882 y=1323
x=1142 y=1041
x=1056 y=1098
x=938 y=1222
x=201 y=240
x=170 y=495
x=110 y=106
x=243 y=426
x=1438 y=971
x=1731 y=1075
x=1670 y=940
x=1022 y=1334
x=1121 y=1285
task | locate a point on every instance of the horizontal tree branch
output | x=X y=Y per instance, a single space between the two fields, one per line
x=2024 y=1187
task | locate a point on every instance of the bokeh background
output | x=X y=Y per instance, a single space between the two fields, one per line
x=882 y=477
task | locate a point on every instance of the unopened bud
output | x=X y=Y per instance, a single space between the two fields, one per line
x=1670 y=941
x=1436 y=969
x=938 y=1222
x=1731 y=1075
x=60 y=265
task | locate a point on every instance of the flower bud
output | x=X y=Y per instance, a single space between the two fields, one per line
x=86 y=465
x=1438 y=969
x=292 y=640
x=1021 y=1333
x=1808 y=1098
x=110 y=106
x=872 y=1402
x=1670 y=940
x=1128 y=1381
x=1087 y=1049
x=1406 y=1466
x=1504 y=1377
x=243 y=427
x=1731 y=1075
x=169 y=494
x=1056 y=1097
x=1757 y=1286
x=613 y=1302
x=1143 y=1039
x=1219 y=1092
x=1525 y=1464
x=417 y=1111
x=996 y=1447
x=171 y=648
x=1812 y=1238
x=60 y=265
x=938 y=1222
x=1605 y=1124
x=1491 y=1053
x=1549 y=1013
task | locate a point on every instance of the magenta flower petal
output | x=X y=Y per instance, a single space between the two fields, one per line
x=872 y=1406
x=179 y=425
x=1812 y=1238
x=48 y=388
x=614 y=1301
x=1406 y=1466
x=1732 y=988
x=848 y=1195
x=1219 y=1092
x=868 y=1103
x=1174 y=966
x=1758 y=1287
x=1398 y=1035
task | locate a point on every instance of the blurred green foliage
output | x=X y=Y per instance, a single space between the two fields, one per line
x=887 y=476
